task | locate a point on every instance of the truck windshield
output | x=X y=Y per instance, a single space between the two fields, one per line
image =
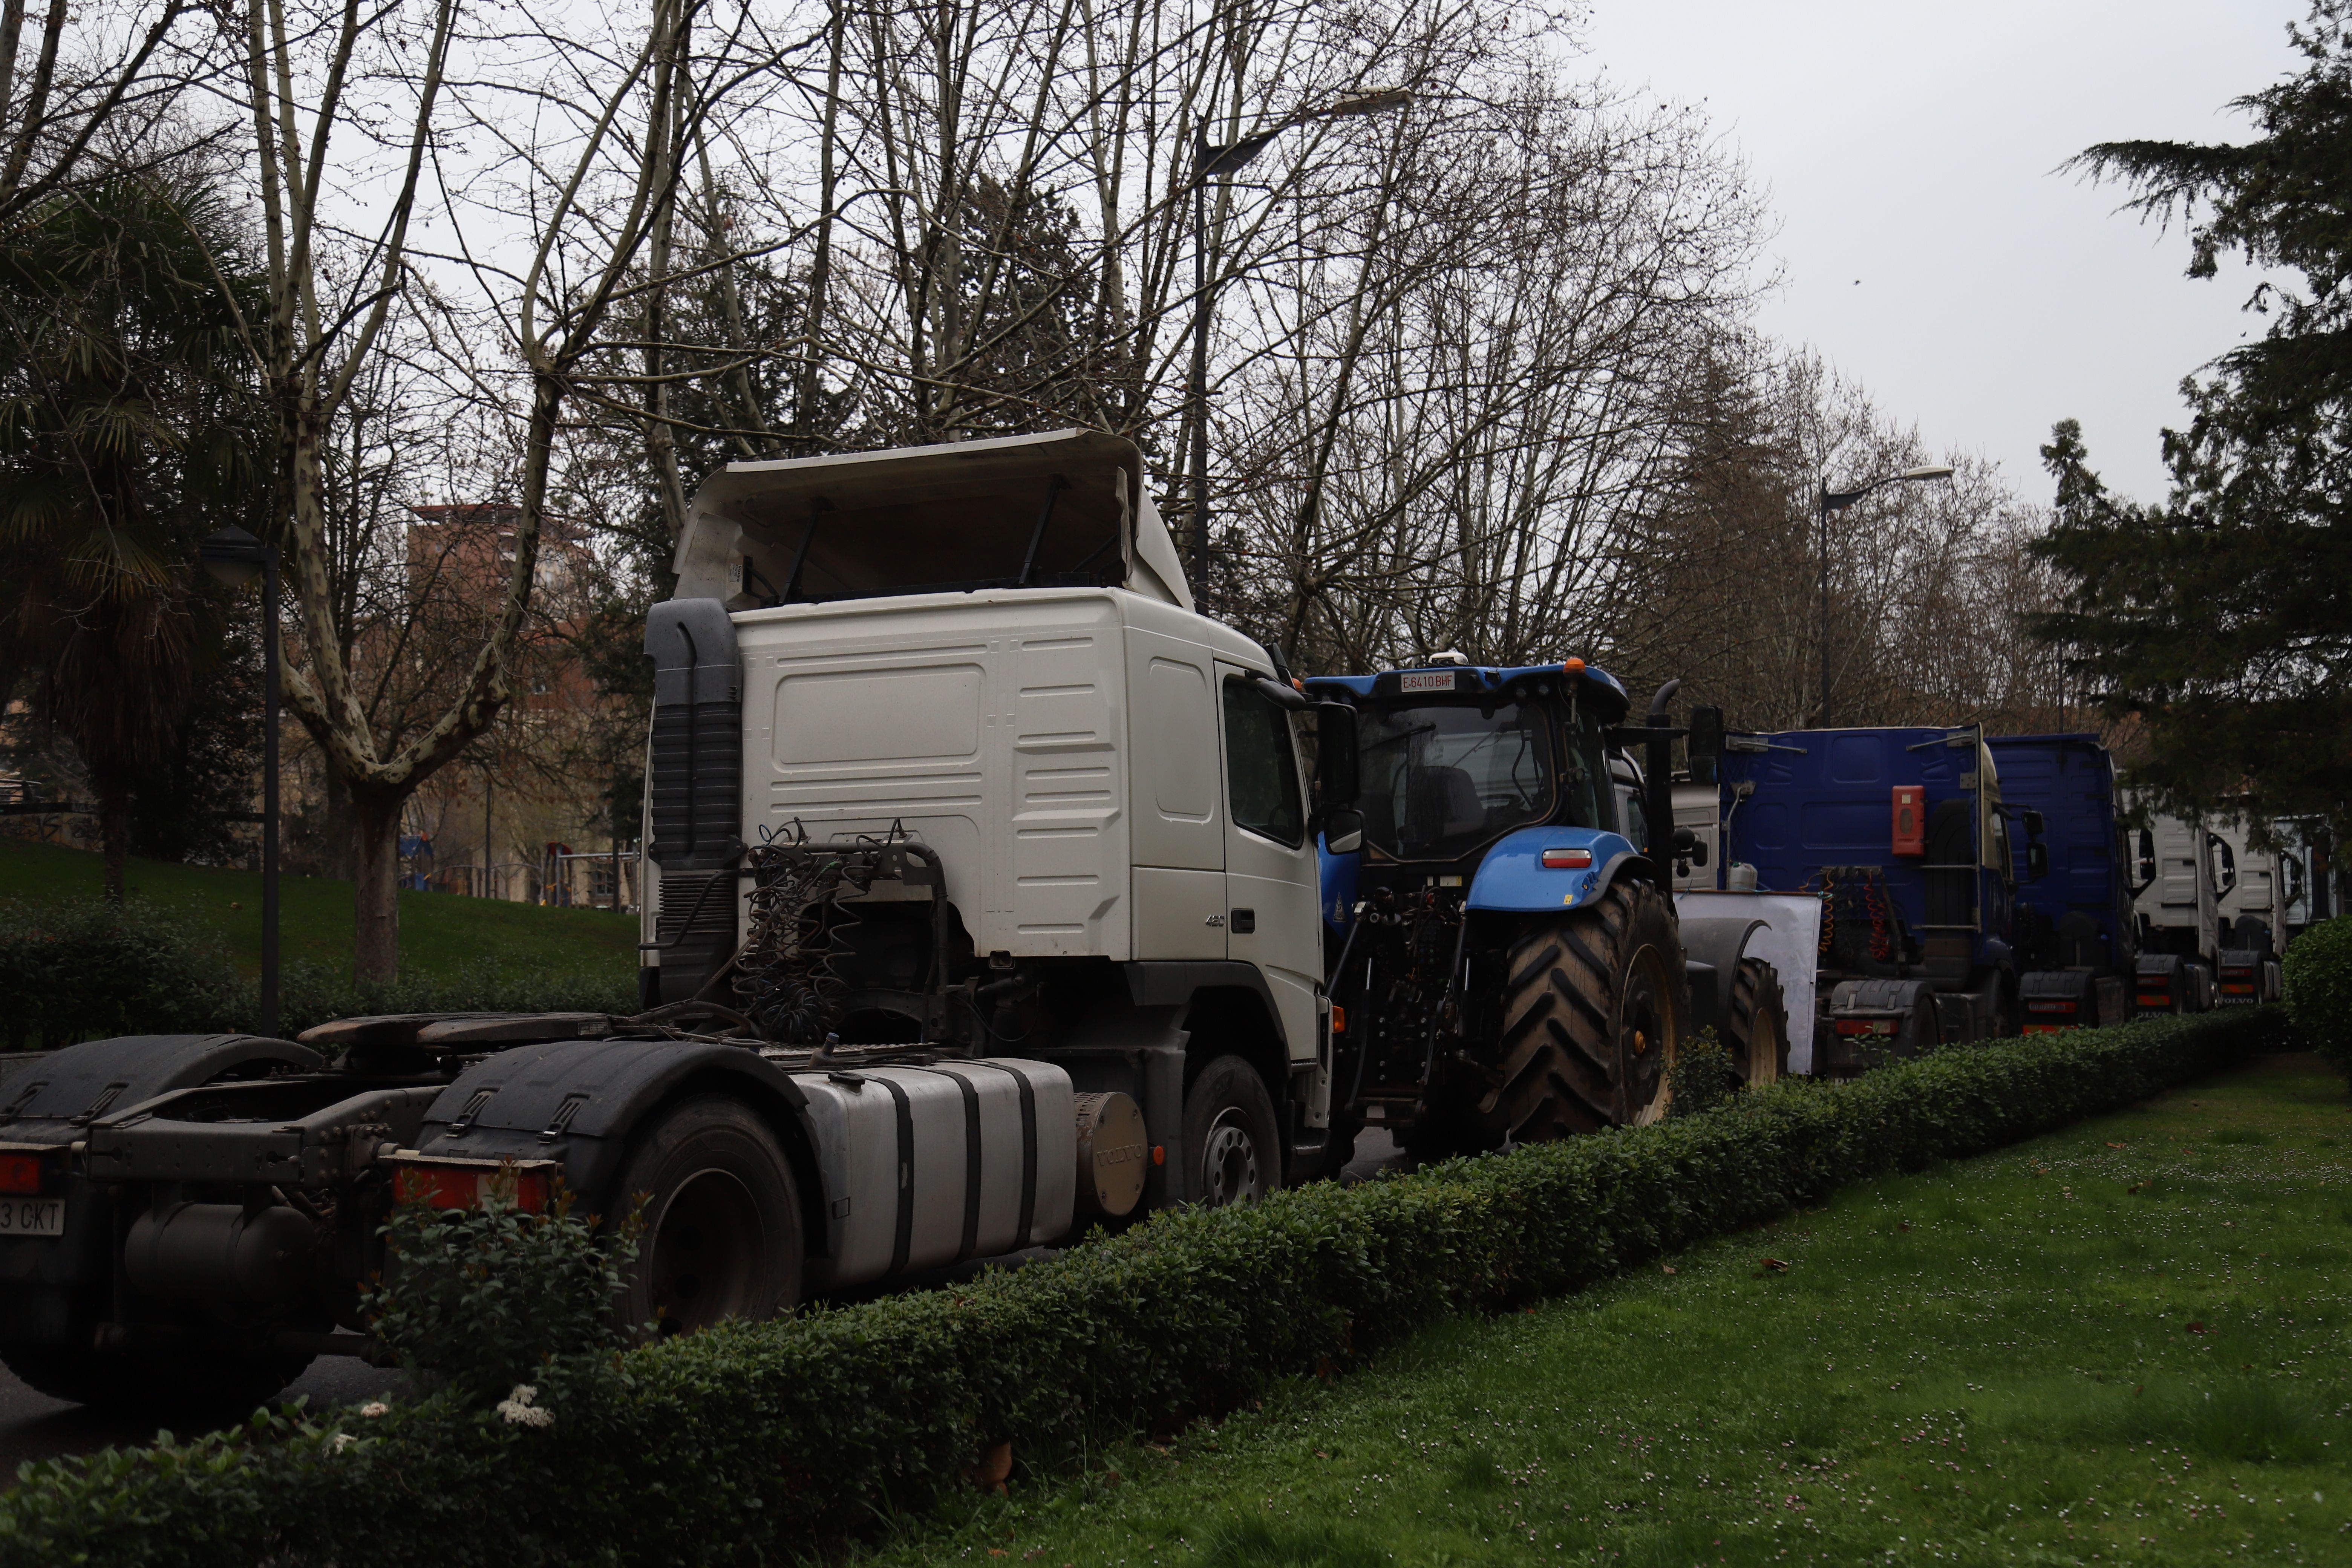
x=1441 y=780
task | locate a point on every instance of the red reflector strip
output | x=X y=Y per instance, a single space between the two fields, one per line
x=2156 y=1001
x=2050 y=1006
x=20 y=1172
x=1865 y=1026
x=2048 y=1029
x=466 y=1184
x=2237 y=990
x=1566 y=860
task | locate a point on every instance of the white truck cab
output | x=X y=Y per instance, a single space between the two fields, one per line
x=988 y=650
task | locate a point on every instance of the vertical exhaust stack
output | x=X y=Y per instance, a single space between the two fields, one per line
x=694 y=786
x=1658 y=785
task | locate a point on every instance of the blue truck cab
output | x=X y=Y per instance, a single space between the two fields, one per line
x=1906 y=837
x=2073 y=927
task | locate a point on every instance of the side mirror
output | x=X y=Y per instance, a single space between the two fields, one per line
x=1337 y=774
x=2032 y=821
x=1343 y=830
x=1690 y=848
x=1705 y=745
x=2146 y=858
x=2037 y=861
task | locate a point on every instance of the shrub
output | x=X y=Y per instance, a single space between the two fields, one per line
x=754 y=1443
x=85 y=968
x=2318 y=981
x=476 y=1301
x=311 y=994
x=1703 y=1076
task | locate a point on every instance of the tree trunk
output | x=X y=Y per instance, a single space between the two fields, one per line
x=339 y=852
x=114 y=834
x=375 y=886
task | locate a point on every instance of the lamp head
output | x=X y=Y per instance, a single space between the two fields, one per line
x=1378 y=101
x=1931 y=472
x=232 y=556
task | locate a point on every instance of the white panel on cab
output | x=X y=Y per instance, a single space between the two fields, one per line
x=1069 y=882
x=914 y=713
x=1174 y=726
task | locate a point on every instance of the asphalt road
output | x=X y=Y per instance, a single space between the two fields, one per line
x=34 y=1426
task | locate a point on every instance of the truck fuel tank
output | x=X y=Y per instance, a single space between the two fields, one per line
x=927 y=1166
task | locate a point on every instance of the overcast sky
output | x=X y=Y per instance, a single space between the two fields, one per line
x=1925 y=245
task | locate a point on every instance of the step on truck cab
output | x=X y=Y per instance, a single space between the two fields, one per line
x=983 y=909
x=1903 y=835
x=2077 y=946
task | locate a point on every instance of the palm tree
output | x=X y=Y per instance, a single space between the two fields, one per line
x=127 y=428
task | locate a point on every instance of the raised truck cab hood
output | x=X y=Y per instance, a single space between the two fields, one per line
x=912 y=520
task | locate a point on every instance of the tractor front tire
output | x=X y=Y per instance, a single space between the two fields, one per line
x=1757 y=1032
x=1595 y=1009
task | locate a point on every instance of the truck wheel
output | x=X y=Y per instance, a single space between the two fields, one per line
x=206 y=1390
x=1230 y=1135
x=722 y=1217
x=1759 y=1025
x=1593 y=1011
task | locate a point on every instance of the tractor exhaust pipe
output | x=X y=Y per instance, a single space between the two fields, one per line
x=1658 y=788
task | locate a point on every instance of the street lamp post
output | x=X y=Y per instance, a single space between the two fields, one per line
x=234 y=558
x=1210 y=159
x=1838 y=501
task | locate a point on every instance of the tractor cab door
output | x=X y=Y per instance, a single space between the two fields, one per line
x=1271 y=879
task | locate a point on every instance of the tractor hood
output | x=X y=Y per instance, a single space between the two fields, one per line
x=1058 y=510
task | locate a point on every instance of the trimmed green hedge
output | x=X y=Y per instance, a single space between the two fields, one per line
x=758 y=1443
x=2318 y=981
x=84 y=969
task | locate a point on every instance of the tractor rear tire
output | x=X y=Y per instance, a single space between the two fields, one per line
x=1595 y=1009
x=1757 y=1032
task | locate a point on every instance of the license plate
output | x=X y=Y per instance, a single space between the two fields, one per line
x=1426 y=680
x=32 y=1217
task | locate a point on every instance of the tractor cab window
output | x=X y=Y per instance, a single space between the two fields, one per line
x=1441 y=780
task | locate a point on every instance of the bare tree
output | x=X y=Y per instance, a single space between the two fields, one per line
x=577 y=148
x=1930 y=587
x=99 y=92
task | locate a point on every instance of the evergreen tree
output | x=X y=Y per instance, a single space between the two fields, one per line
x=127 y=431
x=2221 y=620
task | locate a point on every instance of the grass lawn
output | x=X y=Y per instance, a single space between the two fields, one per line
x=2126 y=1343
x=440 y=935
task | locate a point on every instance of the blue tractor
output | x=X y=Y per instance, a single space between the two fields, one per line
x=1504 y=959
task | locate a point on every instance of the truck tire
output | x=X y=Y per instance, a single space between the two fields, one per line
x=1757 y=1032
x=1231 y=1138
x=204 y=1390
x=1594 y=1007
x=722 y=1233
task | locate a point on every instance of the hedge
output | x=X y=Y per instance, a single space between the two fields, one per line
x=2318 y=977
x=85 y=969
x=753 y=1444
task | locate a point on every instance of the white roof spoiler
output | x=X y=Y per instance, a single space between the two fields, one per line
x=1046 y=510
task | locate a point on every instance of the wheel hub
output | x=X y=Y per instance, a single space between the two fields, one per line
x=1229 y=1173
